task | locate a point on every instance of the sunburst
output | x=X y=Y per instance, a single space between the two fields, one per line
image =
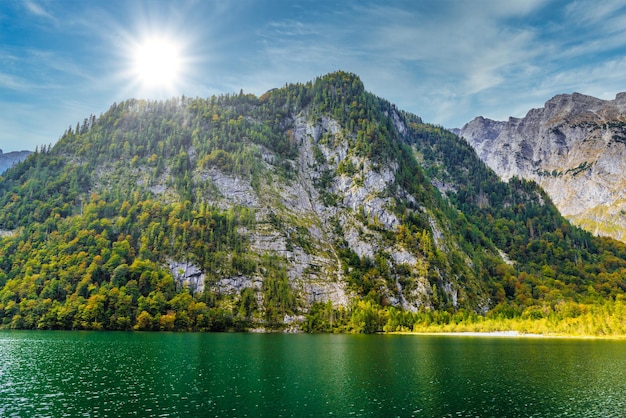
x=157 y=63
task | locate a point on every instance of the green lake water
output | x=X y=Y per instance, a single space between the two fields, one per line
x=188 y=374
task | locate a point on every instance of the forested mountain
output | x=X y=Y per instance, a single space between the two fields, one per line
x=316 y=206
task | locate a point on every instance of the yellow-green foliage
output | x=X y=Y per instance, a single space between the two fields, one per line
x=568 y=319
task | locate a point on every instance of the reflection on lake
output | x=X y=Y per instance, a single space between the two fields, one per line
x=60 y=373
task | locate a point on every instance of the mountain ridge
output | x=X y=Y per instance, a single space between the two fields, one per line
x=574 y=147
x=9 y=159
x=316 y=206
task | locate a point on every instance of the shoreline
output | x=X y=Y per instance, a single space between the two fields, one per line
x=509 y=334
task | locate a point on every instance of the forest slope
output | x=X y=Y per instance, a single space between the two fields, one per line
x=316 y=206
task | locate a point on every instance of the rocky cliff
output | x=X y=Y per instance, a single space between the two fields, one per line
x=574 y=147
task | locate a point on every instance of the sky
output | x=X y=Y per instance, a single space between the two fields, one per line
x=446 y=61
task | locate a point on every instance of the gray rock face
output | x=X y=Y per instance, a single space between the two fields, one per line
x=574 y=147
x=187 y=274
x=296 y=223
x=10 y=158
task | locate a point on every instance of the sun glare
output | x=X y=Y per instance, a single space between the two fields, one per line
x=157 y=63
x=156 y=57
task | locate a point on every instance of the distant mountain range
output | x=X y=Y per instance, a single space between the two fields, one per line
x=574 y=147
x=11 y=158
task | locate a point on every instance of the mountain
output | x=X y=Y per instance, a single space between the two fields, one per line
x=9 y=159
x=574 y=147
x=316 y=206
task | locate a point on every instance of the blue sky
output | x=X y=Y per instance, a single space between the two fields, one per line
x=444 y=60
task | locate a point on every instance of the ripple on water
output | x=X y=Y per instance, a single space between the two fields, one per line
x=105 y=374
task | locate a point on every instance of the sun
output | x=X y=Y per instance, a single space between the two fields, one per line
x=156 y=59
x=157 y=63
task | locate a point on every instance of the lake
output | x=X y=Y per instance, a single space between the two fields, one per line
x=68 y=373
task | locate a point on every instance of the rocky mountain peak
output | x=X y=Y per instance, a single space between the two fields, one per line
x=574 y=147
x=486 y=129
x=620 y=98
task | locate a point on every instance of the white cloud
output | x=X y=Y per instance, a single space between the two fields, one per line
x=54 y=61
x=603 y=79
x=11 y=82
x=593 y=12
x=464 y=44
x=290 y=29
x=38 y=10
x=41 y=70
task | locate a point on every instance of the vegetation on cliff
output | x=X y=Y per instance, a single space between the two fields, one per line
x=316 y=206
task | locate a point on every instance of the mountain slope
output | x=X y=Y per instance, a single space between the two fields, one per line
x=574 y=147
x=317 y=205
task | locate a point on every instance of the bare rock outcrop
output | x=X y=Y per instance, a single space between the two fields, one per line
x=574 y=147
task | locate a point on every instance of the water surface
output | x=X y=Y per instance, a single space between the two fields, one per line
x=167 y=374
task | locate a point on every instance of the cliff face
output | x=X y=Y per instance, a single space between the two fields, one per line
x=322 y=211
x=574 y=147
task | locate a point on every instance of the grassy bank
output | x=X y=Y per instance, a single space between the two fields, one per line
x=564 y=318
x=608 y=320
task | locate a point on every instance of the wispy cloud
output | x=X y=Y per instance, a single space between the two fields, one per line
x=602 y=80
x=37 y=70
x=58 y=61
x=291 y=29
x=469 y=47
x=11 y=82
x=38 y=10
x=596 y=12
